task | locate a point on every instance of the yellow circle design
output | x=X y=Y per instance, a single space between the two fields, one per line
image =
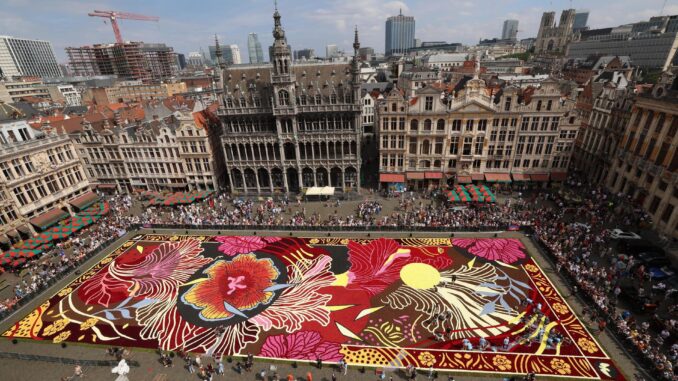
x=420 y=275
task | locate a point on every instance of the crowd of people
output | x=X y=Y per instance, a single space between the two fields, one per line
x=67 y=255
x=575 y=238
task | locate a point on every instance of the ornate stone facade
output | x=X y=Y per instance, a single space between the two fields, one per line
x=442 y=136
x=177 y=152
x=646 y=166
x=289 y=125
x=40 y=172
x=605 y=106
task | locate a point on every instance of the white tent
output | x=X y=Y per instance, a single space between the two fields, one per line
x=319 y=191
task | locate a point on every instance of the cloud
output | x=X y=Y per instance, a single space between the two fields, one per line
x=308 y=23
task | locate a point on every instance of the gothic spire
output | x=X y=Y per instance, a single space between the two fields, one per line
x=356 y=46
x=356 y=42
x=218 y=53
x=278 y=32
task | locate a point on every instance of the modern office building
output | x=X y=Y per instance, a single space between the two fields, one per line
x=21 y=57
x=650 y=44
x=510 y=30
x=230 y=54
x=399 y=34
x=331 y=51
x=195 y=60
x=127 y=61
x=646 y=164
x=290 y=125
x=254 y=50
x=304 y=54
x=581 y=18
x=366 y=53
x=181 y=61
x=14 y=91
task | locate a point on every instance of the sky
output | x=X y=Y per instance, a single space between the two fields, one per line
x=187 y=25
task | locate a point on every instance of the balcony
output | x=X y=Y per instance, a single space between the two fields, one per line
x=341 y=107
x=26 y=147
x=283 y=78
x=284 y=110
x=243 y=111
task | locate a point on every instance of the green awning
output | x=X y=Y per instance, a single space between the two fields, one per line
x=48 y=219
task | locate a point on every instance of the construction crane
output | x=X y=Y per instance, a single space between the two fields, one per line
x=114 y=16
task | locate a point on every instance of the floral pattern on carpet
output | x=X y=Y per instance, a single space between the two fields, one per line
x=370 y=302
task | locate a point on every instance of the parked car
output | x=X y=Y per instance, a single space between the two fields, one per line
x=620 y=234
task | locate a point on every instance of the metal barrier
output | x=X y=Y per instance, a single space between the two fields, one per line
x=63 y=360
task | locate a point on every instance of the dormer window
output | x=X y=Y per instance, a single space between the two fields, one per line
x=302 y=100
x=318 y=99
x=333 y=99
x=243 y=102
x=229 y=102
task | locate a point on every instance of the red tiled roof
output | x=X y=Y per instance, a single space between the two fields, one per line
x=116 y=106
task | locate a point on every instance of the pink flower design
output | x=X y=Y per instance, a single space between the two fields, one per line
x=302 y=345
x=234 y=245
x=507 y=250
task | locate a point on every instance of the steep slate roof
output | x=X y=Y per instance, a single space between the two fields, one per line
x=311 y=78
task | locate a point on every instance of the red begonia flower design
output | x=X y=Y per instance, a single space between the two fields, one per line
x=233 y=286
x=302 y=345
x=507 y=250
x=233 y=245
x=156 y=276
x=377 y=265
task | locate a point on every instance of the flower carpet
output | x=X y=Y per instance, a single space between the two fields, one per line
x=372 y=302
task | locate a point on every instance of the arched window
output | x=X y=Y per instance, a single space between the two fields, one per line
x=284 y=98
x=414 y=125
x=427 y=125
x=440 y=126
